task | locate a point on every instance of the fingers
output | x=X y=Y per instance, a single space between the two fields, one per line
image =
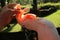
x=10 y=9
x=10 y=6
x=17 y=7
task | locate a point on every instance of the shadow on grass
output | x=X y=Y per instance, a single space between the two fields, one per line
x=9 y=28
x=10 y=25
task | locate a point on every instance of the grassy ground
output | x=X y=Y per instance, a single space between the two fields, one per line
x=55 y=18
x=42 y=4
x=49 y=3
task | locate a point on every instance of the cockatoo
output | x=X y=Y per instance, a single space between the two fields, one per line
x=44 y=28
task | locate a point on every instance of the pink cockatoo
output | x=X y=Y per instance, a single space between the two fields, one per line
x=44 y=28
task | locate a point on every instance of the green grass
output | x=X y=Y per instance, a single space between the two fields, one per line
x=12 y=28
x=49 y=3
x=41 y=4
x=16 y=28
x=54 y=18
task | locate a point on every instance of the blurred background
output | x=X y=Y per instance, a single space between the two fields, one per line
x=48 y=9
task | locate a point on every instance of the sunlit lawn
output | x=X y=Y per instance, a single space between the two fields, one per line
x=16 y=28
x=55 y=18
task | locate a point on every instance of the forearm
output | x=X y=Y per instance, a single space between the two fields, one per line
x=1 y=21
x=47 y=34
x=1 y=24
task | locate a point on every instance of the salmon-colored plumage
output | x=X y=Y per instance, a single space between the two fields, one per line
x=45 y=29
x=21 y=17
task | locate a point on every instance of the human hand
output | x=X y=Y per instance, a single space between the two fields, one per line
x=6 y=15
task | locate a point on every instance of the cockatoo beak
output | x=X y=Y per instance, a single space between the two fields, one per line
x=26 y=10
